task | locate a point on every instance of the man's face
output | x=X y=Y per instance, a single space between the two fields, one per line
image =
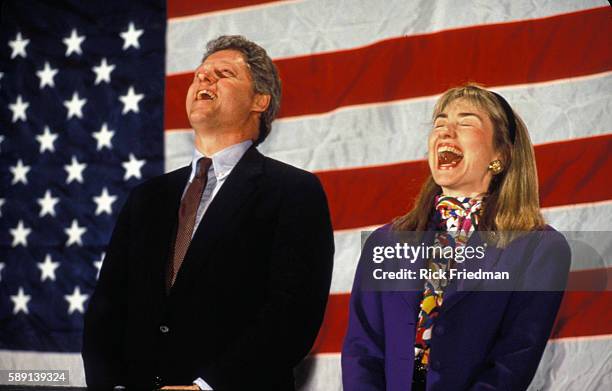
x=221 y=95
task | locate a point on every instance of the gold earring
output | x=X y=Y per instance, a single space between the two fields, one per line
x=496 y=166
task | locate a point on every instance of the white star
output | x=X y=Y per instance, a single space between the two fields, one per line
x=18 y=45
x=46 y=140
x=46 y=76
x=20 y=301
x=2 y=201
x=104 y=202
x=75 y=170
x=73 y=43
x=19 y=109
x=20 y=234
x=76 y=300
x=130 y=37
x=74 y=233
x=97 y=264
x=130 y=101
x=47 y=204
x=47 y=268
x=104 y=137
x=1 y=140
x=75 y=106
x=2 y=267
x=103 y=72
x=132 y=167
x=20 y=173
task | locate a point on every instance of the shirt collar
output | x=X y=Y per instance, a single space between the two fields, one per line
x=223 y=161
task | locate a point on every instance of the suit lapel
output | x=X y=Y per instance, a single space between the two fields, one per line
x=166 y=222
x=239 y=186
x=461 y=288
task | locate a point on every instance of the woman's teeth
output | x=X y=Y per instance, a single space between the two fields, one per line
x=449 y=157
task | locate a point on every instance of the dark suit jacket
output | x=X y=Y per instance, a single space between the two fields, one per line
x=481 y=340
x=249 y=297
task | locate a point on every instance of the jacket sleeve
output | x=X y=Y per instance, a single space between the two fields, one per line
x=300 y=268
x=529 y=318
x=363 y=363
x=105 y=315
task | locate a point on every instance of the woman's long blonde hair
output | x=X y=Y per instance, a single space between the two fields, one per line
x=512 y=202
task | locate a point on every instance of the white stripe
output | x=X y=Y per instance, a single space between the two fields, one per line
x=578 y=222
x=43 y=361
x=566 y=365
x=393 y=132
x=309 y=27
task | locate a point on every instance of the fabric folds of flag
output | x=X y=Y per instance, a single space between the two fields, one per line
x=359 y=84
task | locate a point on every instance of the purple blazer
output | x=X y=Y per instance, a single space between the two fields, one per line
x=481 y=340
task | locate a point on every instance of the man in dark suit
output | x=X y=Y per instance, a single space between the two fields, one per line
x=217 y=274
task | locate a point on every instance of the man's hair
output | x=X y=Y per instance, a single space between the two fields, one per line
x=263 y=72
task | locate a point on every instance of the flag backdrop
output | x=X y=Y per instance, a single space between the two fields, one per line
x=85 y=117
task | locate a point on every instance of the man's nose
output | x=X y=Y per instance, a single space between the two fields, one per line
x=205 y=76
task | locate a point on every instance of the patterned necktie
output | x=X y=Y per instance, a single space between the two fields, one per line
x=187 y=218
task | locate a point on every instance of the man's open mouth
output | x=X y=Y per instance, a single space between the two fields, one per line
x=205 y=95
x=448 y=157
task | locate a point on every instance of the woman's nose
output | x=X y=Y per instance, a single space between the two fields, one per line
x=448 y=131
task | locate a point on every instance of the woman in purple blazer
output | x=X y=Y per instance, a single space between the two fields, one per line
x=446 y=331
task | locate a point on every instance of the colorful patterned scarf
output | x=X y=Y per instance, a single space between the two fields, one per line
x=458 y=219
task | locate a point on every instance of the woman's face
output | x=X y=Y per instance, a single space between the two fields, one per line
x=461 y=148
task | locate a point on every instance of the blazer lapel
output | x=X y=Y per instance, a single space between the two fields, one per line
x=459 y=289
x=239 y=186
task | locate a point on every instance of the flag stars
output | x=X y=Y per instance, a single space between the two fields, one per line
x=131 y=36
x=104 y=137
x=73 y=43
x=46 y=76
x=19 y=109
x=76 y=300
x=103 y=72
x=75 y=106
x=2 y=201
x=130 y=101
x=18 y=46
x=75 y=233
x=104 y=202
x=132 y=167
x=20 y=302
x=1 y=141
x=75 y=171
x=46 y=140
x=2 y=267
x=47 y=268
x=20 y=234
x=20 y=173
x=47 y=204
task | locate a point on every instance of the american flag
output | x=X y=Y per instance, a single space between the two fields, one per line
x=359 y=82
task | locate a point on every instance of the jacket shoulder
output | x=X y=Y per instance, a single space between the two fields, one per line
x=289 y=175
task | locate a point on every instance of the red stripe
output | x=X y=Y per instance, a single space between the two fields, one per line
x=178 y=8
x=570 y=172
x=406 y=67
x=581 y=314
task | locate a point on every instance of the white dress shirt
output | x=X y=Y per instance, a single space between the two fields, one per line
x=223 y=162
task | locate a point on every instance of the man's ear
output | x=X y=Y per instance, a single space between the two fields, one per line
x=261 y=103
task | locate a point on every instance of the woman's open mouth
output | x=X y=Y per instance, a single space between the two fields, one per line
x=448 y=157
